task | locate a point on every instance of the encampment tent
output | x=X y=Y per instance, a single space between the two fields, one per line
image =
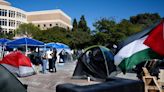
x=9 y=83
x=59 y=47
x=3 y=42
x=96 y=62
x=25 y=42
x=18 y=63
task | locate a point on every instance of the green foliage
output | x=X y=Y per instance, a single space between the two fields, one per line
x=108 y=32
x=82 y=26
x=75 y=39
x=105 y=24
x=80 y=39
x=8 y=36
x=112 y=32
x=100 y=38
x=5 y=35
x=75 y=25
x=145 y=19
x=29 y=30
x=127 y=28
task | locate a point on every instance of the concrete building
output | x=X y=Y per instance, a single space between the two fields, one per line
x=49 y=18
x=11 y=18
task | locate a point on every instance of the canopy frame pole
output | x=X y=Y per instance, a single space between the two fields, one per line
x=26 y=46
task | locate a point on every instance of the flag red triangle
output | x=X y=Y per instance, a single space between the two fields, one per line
x=155 y=39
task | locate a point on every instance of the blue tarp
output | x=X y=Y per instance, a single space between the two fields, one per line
x=64 y=46
x=3 y=41
x=53 y=45
x=25 y=41
x=57 y=45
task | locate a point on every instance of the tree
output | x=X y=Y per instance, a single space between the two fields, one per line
x=104 y=25
x=82 y=26
x=145 y=19
x=108 y=33
x=75 y=25
x=28 y=30
x=5 y=35
x=127 y=28
x=80 y=39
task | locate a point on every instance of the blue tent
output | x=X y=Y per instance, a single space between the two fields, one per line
x=57 y=45
x=53 y=45
x=64 y=46
x=3 y=41
x=25 y=41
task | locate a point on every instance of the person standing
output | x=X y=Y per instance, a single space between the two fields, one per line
x=44 y=62
x=62 y=57
x=54 y=57
x=49 y=52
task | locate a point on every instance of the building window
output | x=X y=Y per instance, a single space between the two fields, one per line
x=18 y=15
x=3 y=12
x=23 y=16
x=12 y=23
x=3 y=22
x=12 y=14
x=4 y=30
x=56 y=24
x=10 y=32
x=44 y=25
x=50 y=25
x=18 y=23
x=38 y=25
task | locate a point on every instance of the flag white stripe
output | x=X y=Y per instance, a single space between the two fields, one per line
x=130 y=49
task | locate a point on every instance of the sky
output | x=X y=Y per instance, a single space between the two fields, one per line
x=94 y=9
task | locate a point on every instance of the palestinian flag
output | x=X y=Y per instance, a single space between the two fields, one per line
x=155 y=40
x=133 y=50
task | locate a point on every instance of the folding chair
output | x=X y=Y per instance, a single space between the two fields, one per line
x=151 y=82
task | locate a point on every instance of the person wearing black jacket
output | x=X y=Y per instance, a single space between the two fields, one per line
x=53 y=61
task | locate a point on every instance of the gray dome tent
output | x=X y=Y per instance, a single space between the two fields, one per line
x=96 y=62
x=9 y=83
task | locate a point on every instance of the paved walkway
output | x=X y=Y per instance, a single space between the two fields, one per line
x=47 y=82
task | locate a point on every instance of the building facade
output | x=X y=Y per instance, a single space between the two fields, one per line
x=49 y=18
x=11 y=18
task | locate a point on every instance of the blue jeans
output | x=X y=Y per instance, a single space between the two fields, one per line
x=44 y=64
